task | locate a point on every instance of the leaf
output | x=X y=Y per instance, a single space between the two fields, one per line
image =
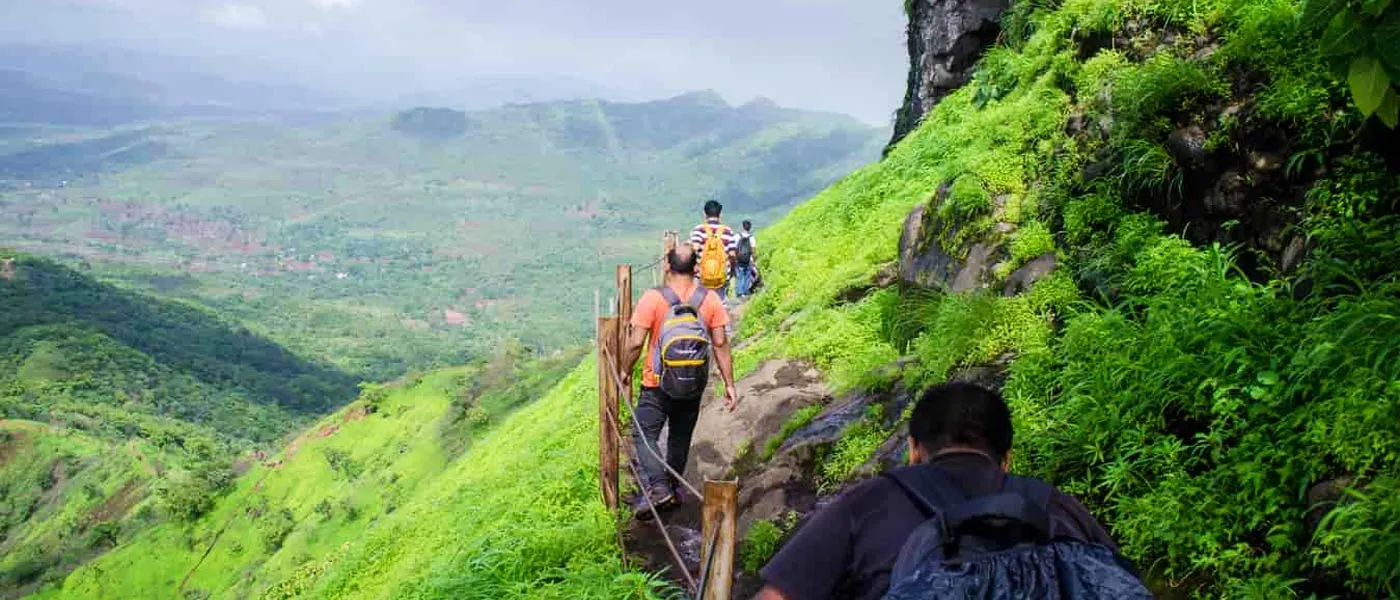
x=1369 y=83
x=1389 y=111
x=1316 y=13
x=1268 y=378
x=1385 y=42
x=1375 y=7
x=1344 y=35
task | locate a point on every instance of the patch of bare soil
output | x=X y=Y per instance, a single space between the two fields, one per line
x=10 y=443
x=116 y=505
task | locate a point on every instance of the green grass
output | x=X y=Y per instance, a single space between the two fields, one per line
x=798 y=420
x=83 y=493
x=517 y=516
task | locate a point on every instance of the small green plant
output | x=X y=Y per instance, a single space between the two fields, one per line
x=760 y=544
x=798 y=420
x=1031 y=241
x=856 y=446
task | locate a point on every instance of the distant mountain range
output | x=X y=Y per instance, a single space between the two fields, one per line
x=96 y=86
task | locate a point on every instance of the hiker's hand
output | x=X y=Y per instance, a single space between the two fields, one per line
x=731 y=398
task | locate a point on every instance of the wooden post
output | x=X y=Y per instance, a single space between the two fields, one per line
x=668 y=243
x=607 y=411
x=720 y=517
x=624 y=310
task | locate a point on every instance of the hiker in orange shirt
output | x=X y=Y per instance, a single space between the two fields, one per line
x=680 y=323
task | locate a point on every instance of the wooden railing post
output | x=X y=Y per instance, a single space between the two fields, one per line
x=608 y=394
x=719 y=514
x=624 y=311
x=668 y=243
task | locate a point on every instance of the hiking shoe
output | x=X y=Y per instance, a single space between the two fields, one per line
x=678 y=490
x=660 y=496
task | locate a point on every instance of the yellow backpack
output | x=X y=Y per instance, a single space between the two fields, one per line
x=714 y=260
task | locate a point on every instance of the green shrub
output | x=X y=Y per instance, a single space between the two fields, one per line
x=760 y=544
x=341 y=462
x=185 y=496
x=274 y=527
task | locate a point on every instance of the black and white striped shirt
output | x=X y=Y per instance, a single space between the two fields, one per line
x=701 y=234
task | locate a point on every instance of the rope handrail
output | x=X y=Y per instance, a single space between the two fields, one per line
x=656 y=515
x=626 y=392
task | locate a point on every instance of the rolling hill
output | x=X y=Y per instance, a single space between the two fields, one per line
x=119 y=410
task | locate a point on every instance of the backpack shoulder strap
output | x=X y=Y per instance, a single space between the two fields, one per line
x=698 y=298
x=928 y=487
x=669 y=294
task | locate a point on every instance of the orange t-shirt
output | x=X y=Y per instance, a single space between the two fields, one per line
x=651 y=311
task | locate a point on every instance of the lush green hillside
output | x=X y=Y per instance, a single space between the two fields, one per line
x=76 y=351
x=1213 y=364
x=387 y=242
x=119 y=410
x=373 y=502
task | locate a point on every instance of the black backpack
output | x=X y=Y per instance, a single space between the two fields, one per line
x=743 y=255
x=998 y=546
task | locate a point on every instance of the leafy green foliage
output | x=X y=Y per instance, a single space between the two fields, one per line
x=1361 y=38
x=1192 y=409
x=759 y=545
x=763 y=540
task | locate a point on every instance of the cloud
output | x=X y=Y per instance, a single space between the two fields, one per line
x=237 y=16
x=842 y=55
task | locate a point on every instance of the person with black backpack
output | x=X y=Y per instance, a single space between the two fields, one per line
x=681 y=324
x=954 y=524
x=745 y=267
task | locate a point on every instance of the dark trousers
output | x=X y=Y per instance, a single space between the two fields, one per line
x=654 y=410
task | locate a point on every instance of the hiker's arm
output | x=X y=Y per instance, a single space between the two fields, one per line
x=633 y=351
x=770 y=593
x=723 y=356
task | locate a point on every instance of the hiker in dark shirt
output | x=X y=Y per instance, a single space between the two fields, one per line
x=848 y=549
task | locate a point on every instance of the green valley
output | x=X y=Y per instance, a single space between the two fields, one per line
x=382 y=243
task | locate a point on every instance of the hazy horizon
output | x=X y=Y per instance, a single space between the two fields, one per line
x=840 y=56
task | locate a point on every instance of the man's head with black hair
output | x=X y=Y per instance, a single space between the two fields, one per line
x=712 y=209
x=959 y=416
x=681 y=260
x=747 y=225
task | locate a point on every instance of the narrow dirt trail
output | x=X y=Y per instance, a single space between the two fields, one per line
x=726 y=445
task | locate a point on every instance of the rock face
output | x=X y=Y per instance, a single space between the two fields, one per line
x=945 y=38
x=924 y=262
x=1023 y=278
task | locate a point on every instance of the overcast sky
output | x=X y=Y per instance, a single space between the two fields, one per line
x=839 y=55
